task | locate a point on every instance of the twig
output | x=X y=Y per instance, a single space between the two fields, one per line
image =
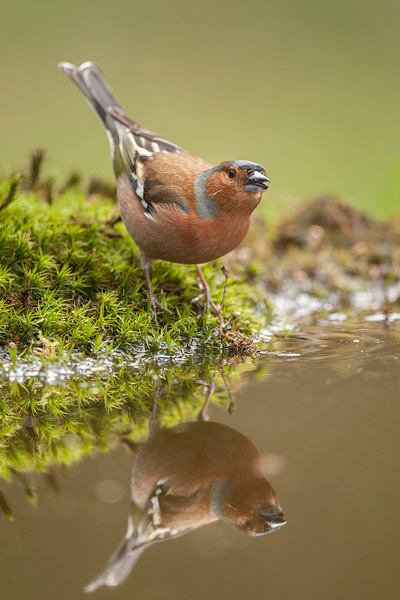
x=11 y=192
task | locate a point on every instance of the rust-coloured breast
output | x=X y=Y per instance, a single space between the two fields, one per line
x=175 y=235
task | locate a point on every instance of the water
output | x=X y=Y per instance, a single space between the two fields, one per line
x=321 y=407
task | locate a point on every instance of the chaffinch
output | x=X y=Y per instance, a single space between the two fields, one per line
x=188 y=476
x=175 y=206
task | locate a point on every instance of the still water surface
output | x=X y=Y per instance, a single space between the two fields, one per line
x=322 y=408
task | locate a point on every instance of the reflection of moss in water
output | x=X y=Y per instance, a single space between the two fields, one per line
x=69 y=270
x=71 y=290
x=43 y=425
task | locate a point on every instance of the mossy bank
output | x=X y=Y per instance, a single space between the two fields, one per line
x=70 y=273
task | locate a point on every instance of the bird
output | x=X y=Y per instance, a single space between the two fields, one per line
x=187 y=476
x=176 y=207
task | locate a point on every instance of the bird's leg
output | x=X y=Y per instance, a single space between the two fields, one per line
x=221 y=332
x=154 y=304
x=153 y=425
x=155 y=406
x=232 y=405
x=203 y=413
x=205 y=292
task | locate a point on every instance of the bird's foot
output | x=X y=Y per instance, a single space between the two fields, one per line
x=154 y=304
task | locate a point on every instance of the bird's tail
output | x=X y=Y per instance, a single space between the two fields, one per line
x=139 y=536
x=119 y=566
x=90 y=80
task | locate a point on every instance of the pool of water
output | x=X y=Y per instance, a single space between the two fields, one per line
x=321 y=405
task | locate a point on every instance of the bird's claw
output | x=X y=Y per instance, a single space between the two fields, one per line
x=154 y=304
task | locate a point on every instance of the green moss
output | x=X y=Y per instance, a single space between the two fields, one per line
x=69 y=271
x=81 y=358
x=104 y=404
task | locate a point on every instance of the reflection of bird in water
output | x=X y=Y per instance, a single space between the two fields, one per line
x=185 y=477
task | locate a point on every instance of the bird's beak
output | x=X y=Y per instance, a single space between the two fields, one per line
x=273 y=517
x=256 y=182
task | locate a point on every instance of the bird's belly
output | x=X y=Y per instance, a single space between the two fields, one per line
x=179 y=251
x=188 y=245
x=177 y=236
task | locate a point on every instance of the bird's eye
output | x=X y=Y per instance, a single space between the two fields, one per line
x=231 y=173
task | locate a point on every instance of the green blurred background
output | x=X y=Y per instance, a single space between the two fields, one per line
x=308 y=88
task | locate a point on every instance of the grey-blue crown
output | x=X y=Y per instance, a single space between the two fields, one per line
x=244 y=165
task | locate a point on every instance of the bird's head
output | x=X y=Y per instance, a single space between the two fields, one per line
x=253 y=507
x=261 y=521
x=237 y=185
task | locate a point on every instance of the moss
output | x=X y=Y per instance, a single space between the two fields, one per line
x=105 y=403
x=69 y=271
x=81 y=358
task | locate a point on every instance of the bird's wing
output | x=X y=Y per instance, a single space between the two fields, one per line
x=160 y=171
x=137 y=145
x=184 y=488
x=150 y=141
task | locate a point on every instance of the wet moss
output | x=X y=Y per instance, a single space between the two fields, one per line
x=69 y=271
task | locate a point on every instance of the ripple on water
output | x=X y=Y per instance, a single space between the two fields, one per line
x=338 y=342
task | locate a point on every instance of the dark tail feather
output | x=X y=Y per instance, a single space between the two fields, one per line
x=90 y=80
